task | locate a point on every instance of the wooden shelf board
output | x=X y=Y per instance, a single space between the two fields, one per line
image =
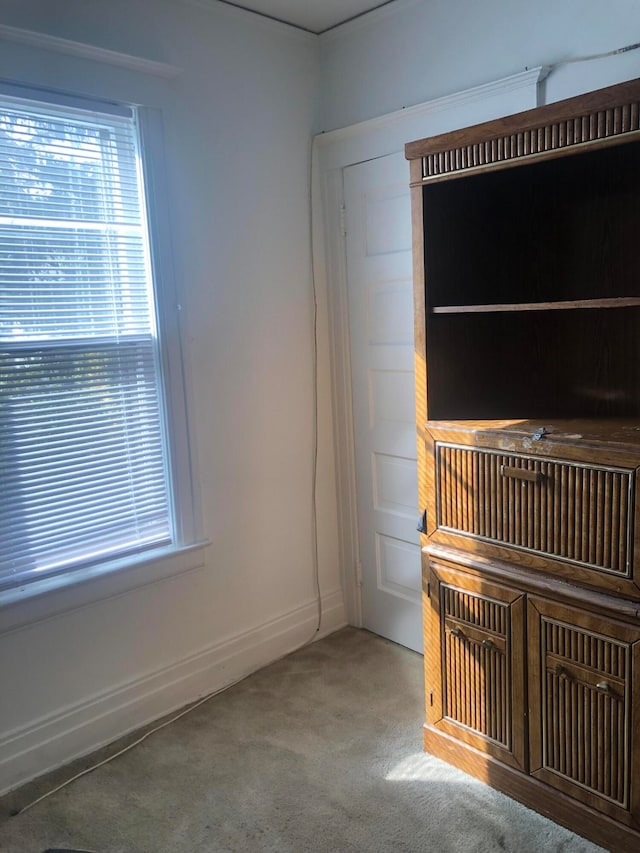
x=616 y=302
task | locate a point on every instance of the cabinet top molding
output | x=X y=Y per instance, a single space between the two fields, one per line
x=603 y=116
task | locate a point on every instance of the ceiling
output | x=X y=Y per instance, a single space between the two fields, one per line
x=316 y=16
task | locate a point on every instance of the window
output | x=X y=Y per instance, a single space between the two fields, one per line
x=85 y=455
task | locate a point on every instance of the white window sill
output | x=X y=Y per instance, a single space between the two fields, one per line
x=32 y=602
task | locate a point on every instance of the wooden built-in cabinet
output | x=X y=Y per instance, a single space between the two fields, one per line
x=527 y=330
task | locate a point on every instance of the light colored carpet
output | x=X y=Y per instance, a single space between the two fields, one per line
x=319 y=752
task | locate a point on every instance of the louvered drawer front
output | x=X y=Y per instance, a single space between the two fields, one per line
x=476 y=678
x=585 y=713
x=575 y=512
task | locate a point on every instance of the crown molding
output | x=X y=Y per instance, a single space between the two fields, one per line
x=78 y=49
x=239 y=12
x=477 y=93
x=366 y=19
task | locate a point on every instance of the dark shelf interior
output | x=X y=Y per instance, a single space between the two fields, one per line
x=534 y=364
x=551 y=231
x=560 y=229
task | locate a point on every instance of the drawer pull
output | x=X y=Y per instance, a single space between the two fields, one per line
x=521 y=474
x=488 y=644
x=603 y=687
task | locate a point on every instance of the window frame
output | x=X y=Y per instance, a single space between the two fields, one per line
x=119 y=573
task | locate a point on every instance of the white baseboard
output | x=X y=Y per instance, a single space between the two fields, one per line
x=68 y=733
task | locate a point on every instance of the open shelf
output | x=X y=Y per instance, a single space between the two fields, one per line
x=532 y=290
x=550 y=235
x=532 y=364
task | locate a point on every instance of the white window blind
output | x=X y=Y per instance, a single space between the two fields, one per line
x=83 y=462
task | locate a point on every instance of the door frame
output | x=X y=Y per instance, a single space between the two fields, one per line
x=331 y=153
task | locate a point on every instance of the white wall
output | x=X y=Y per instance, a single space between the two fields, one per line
x=414 y=50
x=238 y=124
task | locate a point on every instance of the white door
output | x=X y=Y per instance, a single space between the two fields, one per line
x=379 y=272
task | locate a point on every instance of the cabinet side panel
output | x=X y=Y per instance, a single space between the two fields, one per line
x=432 y=643
x=420 y=361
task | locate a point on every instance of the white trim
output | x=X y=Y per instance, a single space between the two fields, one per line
x=88 y=51
x=176 y=377
x=46 y=743
x=53 y=98
x=273 y=24
x=26 y=605
x=428 y=109
x=367 y=18
x=330 y=263
x=333 y=152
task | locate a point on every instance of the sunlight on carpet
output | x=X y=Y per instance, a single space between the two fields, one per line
x=422 y=767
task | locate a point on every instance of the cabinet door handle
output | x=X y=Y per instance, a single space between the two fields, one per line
x=456 y=632
x=521 y=474
x=603 y=687
x=488 y=644
x=561 y=672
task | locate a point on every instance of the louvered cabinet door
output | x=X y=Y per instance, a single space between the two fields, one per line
x=573 y=517
x=584 y=728
x=474 y=662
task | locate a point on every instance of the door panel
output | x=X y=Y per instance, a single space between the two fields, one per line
x=379 y=271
